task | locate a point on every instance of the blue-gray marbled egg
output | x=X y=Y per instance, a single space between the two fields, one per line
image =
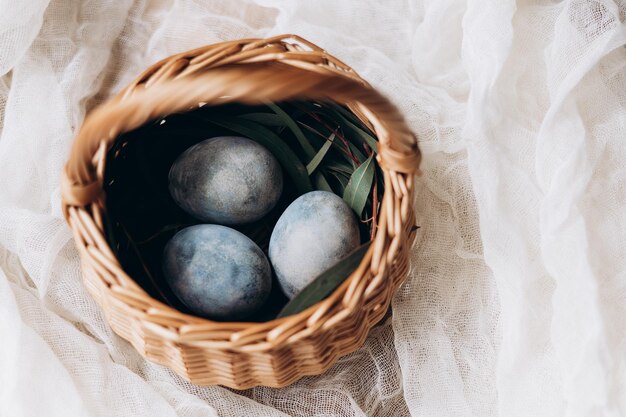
x=226 y=180
x=217 y=272
x=315 y=232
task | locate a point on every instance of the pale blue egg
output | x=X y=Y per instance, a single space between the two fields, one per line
x=217 y=272
x=314 y=233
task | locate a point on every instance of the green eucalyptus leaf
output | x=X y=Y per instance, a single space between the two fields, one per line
x=353 y=122
x=338 y=145
x=341 y=178
x=340 y=182
x=273 y=143
x=341 y=115
x=312 y=166
x=343 y=111
x=267 y=119
x=293 y=126
x=322 y=286
x=359 y=186
x=356 y=152
x=351 y=147
x=363 y=135
x=321 y=183
x=339 y=166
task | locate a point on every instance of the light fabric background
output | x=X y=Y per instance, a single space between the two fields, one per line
x=516 y=303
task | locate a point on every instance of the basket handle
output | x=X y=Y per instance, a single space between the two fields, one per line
x=252 y=83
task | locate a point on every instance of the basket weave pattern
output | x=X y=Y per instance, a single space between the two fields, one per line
x=243 y=355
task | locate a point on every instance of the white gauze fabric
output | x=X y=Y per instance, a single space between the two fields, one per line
x=516 y=301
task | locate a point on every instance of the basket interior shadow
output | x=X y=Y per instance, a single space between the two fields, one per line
x=321 y=146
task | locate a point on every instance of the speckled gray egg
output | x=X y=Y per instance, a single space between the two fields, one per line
x=217 y=272
x=315 y=232
x=226 y=180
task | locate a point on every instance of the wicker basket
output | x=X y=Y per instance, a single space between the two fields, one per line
x=243 y=355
